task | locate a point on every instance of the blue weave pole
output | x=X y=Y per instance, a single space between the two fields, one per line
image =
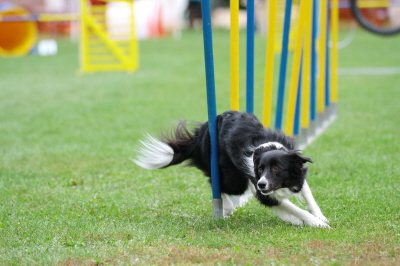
x=327 y=64
x=282 y=70
x=296 y=126
x=313 y=73
x=250 y=57
x=212 y=107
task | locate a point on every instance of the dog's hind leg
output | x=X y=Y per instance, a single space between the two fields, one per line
x=235 y=200
x=312 y=205
x=227 y=205
x=241 y=200
x=250 y=192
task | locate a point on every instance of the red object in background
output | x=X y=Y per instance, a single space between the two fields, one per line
x=97 y=2
x=345 y=14
x=377 y=16
x=57 y=28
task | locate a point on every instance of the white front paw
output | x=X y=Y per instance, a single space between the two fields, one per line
x=316 y=222
x=287 y=217
x=320 y=216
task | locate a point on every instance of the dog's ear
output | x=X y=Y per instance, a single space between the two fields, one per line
x=298 y=161
x=306 y=159
x=298 y=157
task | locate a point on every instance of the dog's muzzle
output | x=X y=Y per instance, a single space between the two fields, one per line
x=263 y=187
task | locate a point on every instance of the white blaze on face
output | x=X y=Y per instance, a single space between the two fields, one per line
x=263 y=180
x=269 y=144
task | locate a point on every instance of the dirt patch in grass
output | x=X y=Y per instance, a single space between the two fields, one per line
x=376 y=252
x=188 y=255
x=316 y=252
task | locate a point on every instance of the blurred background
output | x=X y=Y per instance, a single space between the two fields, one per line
x=52 y=19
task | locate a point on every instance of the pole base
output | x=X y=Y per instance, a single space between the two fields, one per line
x=217 y=209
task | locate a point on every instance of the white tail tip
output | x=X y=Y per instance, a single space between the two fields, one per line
x=153 y=154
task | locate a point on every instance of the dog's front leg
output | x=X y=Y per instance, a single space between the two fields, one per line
x=287 y=209
x=312 y=205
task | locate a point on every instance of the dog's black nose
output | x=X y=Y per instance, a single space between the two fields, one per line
x=261 y=185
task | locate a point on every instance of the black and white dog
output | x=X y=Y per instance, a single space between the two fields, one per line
x=251 y=157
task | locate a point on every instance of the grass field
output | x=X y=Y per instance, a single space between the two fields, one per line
x=71 y=196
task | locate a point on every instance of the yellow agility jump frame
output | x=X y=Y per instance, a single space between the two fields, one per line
x=105 y=44
x=102 y=49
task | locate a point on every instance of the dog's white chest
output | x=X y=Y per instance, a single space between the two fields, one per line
x=283 y=193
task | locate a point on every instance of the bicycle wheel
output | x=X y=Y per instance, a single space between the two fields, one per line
x=378 y=16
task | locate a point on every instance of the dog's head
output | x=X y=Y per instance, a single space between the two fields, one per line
x=278 y=168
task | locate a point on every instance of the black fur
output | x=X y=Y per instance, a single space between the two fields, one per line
x=239 y=134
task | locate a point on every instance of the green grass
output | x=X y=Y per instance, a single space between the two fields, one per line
x=71 y=196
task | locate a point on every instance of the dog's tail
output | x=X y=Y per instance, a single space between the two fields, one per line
x=168 y=150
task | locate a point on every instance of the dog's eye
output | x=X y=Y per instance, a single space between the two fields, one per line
x=260 y=170
x=275 y=168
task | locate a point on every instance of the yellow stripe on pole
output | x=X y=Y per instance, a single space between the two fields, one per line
x=269 y=64
x=334 y=49
x=234 y=53
x=294 y=80
x=322 y=56
x=306 y=81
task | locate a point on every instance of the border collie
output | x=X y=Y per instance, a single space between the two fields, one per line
x=251 y=157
